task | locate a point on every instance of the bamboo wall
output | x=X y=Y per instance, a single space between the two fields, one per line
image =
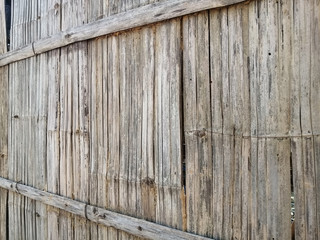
x=193 y=123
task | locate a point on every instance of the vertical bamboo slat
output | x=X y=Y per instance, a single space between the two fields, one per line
x=148 y=188
x=124 y=60
x=315 y=99
x=168 y=136
x=3 y=125
x=197 y=123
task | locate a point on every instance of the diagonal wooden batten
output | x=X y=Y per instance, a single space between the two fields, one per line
x=138 y=17
x=135 y=226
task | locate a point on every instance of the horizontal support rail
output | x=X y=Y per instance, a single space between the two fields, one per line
x=131 y=225
x=203 y=131
x=138 y=17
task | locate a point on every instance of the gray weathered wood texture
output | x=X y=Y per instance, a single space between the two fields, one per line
x=98 y=215
x=3 y=126
x=137 y=17
x=197 y=122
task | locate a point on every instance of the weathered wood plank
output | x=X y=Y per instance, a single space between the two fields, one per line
x=246 y=188
x=11 y=147
x=15 y=161
x=278 y=189
x=4 y=88
x=239 y=114
x=3 y=147
x=84 y=131
x=135 y=18
x=28 y=120
x=79 y=228
x=304 y=167
x=284 y=76
x=137 y=110
x=253 y=74
x=262 y=200
x=112 y=108
x=228 y=129
x=285 y=63
x=74 y=13
x=66 y=163
x=40 y=169
x=263 y=96
x=302 y=9
x=53 y=136
x=216 y=118
x=197 y=123
x=315 y=93
x=168 y=135
x=310 y=188
x=125 y=49
x=39 y=29
x=304 y=97
x=315 y=62
x=298 y=184
x=174 y=68
x=93 y=168
x=101 y=137
x=316 y=149
x=125 y=52
x=148 y=188
x=133 y=179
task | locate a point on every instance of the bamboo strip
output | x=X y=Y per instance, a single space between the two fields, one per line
x=138 y=17
x=200 y=131
x=3 y=126
x=137 y=227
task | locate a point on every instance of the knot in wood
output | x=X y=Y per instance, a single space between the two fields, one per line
x=68 y=35
x=102 y=216
x=148 y=181
x=200 y=133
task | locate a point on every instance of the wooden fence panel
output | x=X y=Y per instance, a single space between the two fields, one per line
x=194 y=123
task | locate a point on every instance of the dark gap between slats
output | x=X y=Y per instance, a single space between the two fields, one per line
x=292 y=202
x=8 y=21
x=7 y=215
x=183 y=139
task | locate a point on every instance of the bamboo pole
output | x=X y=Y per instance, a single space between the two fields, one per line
x=138 y=17
x=137 y=227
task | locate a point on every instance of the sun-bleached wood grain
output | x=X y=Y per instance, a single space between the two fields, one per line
x=193 y=122
x=141 y=16
x=135 y=226
x=3 y=125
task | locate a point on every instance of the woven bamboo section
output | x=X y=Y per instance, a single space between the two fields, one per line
x=208 y=122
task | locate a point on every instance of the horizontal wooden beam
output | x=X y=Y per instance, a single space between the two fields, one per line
x=138 y=17
x=131 y=225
